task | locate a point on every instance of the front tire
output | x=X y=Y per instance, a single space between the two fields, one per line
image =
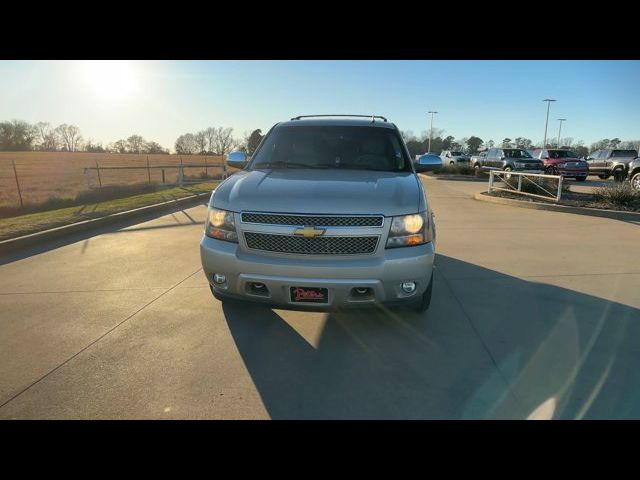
x=619 y=176
x=551 y=170
x=507 y=169
x=581 y=179
x=603 y=177
x=635 y=182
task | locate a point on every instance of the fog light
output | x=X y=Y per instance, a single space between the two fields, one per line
x=409 y=287
x=219 y=279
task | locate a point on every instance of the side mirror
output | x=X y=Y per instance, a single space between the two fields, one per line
x=428 y=163
x=237 y=160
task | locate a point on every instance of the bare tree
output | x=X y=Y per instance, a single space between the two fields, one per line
x=186 y=144
x=201 y=141
x=46 y=137
x=210 y=134
x=223 y=141
x=135 y=144
x=70 y=136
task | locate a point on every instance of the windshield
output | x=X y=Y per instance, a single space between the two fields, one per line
x=562 y=154
x=332 y=147
x=516 y=154
x=624 y=153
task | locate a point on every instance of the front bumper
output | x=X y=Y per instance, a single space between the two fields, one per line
x=383 y=275
x=573 y=172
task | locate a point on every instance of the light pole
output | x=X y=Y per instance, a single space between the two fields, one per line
x=560 y=129
x=548 y=100
x=430 y=130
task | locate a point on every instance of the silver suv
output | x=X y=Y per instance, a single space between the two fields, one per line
x=328 y=213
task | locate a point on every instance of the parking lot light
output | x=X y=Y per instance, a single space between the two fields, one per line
x=430 y=130
x=548 y=100
x=560 y=129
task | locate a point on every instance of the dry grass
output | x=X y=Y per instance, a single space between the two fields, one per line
x=38 y=221
x=60 y=175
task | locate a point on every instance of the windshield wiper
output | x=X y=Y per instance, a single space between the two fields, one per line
x=270 y=164
x=305 y=165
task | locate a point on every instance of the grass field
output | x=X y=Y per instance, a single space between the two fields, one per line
x=46 y=175
x=35 y=222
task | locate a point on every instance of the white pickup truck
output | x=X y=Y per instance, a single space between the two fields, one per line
x=451 y=157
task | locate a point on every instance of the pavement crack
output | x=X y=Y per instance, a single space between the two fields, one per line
x=97 y=339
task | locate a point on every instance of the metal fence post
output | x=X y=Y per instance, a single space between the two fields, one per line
x=490 y=180
x=99 y=178
x=559 y=188
x=87 y=178
x=519 y=183
x=15 y=172
x=206 y=171
x=180 y=175
x=148 y=170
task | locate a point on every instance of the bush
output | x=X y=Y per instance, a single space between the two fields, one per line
x=621 y=194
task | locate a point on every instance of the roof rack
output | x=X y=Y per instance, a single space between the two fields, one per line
x=372 y=117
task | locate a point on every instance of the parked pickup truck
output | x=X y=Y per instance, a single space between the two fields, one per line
x=328 y=213
x=634 y=173
x=476 y=160
x=563 y=162
x=452 y=157
x=605 y=163
x=510 y=159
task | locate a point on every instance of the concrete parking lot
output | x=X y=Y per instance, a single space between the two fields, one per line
x=535 y=314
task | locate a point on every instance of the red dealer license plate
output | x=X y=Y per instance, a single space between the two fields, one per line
x=309 y=295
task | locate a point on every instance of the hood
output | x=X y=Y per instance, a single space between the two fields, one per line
x=320 y=191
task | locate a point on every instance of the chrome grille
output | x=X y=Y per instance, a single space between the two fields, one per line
x=317 y=220
x=311 y=245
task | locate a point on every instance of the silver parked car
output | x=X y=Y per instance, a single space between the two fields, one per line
x=452 y=157
x=328 y=213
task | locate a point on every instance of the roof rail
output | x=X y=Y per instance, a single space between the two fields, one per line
x=372 y=117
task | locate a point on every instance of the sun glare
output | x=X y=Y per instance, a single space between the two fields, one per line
x=110 y=80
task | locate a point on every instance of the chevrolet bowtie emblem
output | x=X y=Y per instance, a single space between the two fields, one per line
x=309 y=231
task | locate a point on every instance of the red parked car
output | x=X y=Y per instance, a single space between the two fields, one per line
x=562 y=162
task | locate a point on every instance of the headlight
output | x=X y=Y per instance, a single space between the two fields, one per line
x=409 y=230
x=221 y=225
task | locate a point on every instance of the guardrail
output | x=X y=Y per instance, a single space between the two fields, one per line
x=503 y=176
x=181 y=167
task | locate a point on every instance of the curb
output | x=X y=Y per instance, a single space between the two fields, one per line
x=593 y=212
x=17 y=243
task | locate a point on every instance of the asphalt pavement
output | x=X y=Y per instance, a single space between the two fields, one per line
x=535 y=314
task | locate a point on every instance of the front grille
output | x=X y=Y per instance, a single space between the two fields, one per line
x=317 y=220
x=311 y=246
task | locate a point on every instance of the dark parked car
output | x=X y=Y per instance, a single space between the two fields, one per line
x=634 y=173
x=605 y=163
x=510 y=159
x=562 y=162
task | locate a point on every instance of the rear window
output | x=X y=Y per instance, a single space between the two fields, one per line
x=624 y=153
x=562 y=154
x=332 y=147
x=457 y=154
x=516 y=154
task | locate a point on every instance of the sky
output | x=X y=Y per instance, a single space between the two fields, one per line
x=161 y=100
